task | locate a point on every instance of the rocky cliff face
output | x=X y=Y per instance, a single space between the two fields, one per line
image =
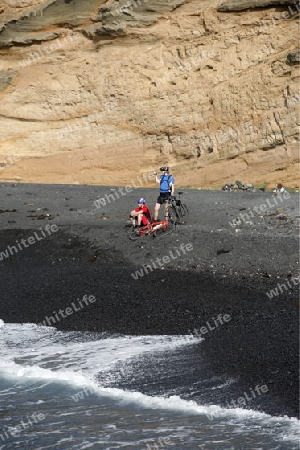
x=95 y=92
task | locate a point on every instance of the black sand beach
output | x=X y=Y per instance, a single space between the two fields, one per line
x=76 y=250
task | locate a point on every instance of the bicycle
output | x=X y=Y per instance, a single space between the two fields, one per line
x=156 y=228
x=174 y=212
x=178 y=209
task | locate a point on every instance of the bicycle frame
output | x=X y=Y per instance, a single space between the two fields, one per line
x=152 y=227
x=164 y=227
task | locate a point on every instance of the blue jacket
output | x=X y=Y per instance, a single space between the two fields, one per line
x=165 y=183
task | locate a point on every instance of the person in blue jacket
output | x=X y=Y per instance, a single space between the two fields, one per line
x=166 y=189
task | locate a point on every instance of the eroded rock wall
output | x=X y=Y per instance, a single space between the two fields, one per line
x=95 y=92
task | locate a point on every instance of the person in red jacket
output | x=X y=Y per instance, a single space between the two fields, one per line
x=141 y=215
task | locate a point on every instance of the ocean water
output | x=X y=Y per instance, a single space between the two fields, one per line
x=76 y=390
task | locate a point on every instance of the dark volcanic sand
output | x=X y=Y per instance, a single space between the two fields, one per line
x=227 y=272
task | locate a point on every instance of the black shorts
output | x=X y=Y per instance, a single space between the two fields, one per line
x=163 y=197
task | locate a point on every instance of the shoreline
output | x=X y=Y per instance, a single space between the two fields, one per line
x=268 y=187
x=227 y=273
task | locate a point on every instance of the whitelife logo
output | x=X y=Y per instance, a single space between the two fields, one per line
x=60 y=43
x=220 y=320
x=246 y=217
x=64 y=313
x=109 y=198
x=275 y=292
x=13 y=431
x=11 y=250
x=242 y=401
x=161 y=262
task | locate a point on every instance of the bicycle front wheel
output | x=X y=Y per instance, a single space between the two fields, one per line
x=173 y=214
x=134 y=234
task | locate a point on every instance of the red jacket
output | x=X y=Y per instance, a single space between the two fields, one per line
x=146 y=212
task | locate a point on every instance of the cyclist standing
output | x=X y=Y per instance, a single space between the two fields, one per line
x=166 y=189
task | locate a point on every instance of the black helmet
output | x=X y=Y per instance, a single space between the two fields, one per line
x=164 y=169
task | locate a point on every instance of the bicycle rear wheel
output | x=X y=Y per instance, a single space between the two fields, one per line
x=185 y=209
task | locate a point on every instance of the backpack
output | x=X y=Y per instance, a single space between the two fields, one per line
x=165 y=183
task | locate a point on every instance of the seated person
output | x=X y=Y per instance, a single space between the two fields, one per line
x=279 y=189
x=141 y=215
